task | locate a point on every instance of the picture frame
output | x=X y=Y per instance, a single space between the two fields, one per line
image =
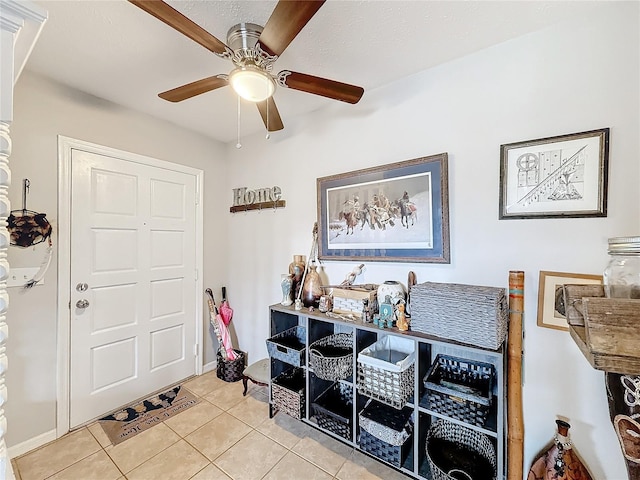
x=551 y=299
x=562 y=176
x=390 y=213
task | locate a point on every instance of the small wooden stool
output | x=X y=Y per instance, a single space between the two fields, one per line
x=257 y=372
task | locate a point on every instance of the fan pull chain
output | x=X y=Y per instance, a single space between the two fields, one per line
x=238 y=145
x=267 y=136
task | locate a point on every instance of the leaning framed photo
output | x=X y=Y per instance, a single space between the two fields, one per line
x=551 y=308
x=563 y=176
x=390 y=213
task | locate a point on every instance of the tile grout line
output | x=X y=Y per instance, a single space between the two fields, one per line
x=105 y=451
x=261 y=398
x=51 y=443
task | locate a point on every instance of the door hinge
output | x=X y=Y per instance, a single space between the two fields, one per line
x=195 y=350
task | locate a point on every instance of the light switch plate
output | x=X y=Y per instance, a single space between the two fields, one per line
x=19 y=276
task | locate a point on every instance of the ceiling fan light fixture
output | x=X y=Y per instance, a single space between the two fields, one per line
x=252 y=83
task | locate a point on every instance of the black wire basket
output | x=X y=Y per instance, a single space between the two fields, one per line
x=332 y=409
x=460 y=388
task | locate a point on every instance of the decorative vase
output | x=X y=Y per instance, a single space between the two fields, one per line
x=312 y=288
x=296 y=269
x=297 y=260
x=392 y=289
x=286 y=283
x=560 y=461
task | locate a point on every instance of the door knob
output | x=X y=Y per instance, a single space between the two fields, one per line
x=81 y=287
x=82 y=303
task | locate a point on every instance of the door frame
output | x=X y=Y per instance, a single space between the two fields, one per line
x=66 y=145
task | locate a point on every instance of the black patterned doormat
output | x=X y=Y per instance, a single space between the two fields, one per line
x=134 y=419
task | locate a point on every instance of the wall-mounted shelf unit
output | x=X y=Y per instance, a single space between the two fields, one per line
x=348 y=402
x=609 y=338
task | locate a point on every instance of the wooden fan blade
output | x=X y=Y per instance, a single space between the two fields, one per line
x=322 y=86
x=286 y=21
x=275 y=122
x=178 y=21
x=192 y=89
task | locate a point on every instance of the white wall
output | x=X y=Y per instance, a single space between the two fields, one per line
x=577 y=76
x=574 y=77
x=42 y=111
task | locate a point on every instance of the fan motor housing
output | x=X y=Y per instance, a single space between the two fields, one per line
x=243 y=36
x=242 y=39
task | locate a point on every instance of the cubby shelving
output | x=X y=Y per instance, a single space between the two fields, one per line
x=318 y=325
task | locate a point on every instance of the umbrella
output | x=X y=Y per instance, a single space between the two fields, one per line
x=220 y=329
x=226 y=312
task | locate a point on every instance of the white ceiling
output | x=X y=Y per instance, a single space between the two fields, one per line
x=115 y=51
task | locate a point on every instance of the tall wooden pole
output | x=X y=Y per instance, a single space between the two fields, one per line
x=515 y=423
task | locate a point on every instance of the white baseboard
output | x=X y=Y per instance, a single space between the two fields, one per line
x=32 y=444
x=51 y=435
x=209 y=367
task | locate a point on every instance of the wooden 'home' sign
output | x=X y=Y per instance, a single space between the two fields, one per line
x=245 y=199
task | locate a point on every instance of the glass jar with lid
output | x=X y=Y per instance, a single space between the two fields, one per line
x=622 y=274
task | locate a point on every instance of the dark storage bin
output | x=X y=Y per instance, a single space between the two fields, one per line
x=460 y=388
x=288 y=392
x=230 y=370
x=386 y=432
x=288 y=346
x=333 y=409
x=393 y=454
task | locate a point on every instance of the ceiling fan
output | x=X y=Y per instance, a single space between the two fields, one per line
x=253 y=49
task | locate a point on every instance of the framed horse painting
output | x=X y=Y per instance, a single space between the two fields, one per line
x=390 y=213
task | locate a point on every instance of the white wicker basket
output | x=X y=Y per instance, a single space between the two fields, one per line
x=386 y=370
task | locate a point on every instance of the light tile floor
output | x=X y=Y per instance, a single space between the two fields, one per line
x=225 y=436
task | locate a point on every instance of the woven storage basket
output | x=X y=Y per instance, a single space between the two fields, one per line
x=289 y=346
x=453 y=449
x=393 y=454
x=332 y=409
x=460 y=388
x=386 y=370
x=465 y=313
x=230 y=370
x=331 y=357
x=386 y=423
x=288 y=392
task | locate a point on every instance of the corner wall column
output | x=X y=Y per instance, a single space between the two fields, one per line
x=20 y=25
x=5 y=208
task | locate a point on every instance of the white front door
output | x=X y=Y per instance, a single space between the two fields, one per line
x=133 y=281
